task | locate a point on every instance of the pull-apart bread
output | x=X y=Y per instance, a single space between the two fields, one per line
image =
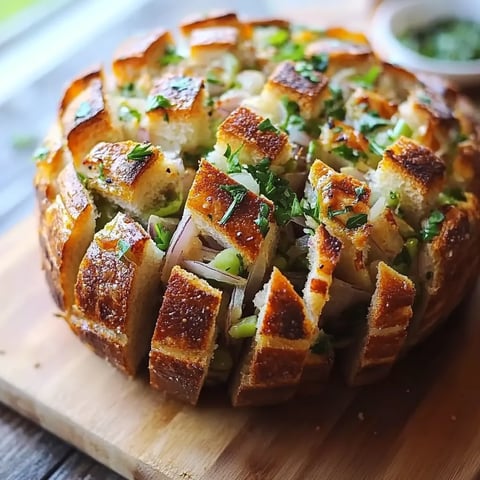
x=255 y=206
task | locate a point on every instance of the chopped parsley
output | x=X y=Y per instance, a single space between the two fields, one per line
x=127 y=113
x=233 y=159
x=320 y=62
x=238 y=193
x=41 y=154
x=83 y=111
x=432 y=226
x=277 y=190
x=356 y=221
x=128 y=90
x=334 y=213
x=348 y=153
x=123 y=248
x=140 y=152
x=368 y=79
x=370 y=121
x=162 y=237
x=158 y=101
x=335 y=106
x=170 y=57
x=309 y=210
x=262 y=219
x=359 y=192
x=293 y=117
x=267 y=126
x=306 y=70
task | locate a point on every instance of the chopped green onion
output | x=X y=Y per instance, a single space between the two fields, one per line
x=279 y=38
x=393 y=200
x=245 y=328
x=401 y=129
x=170 y=208
x=368 y=79
x=228 y=260
x=341 y=211
x=162 y=237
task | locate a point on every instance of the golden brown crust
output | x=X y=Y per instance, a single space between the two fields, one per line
x=241 y=129
x=415 y=162
x=85 y=117
x=66 y=228
x=117 y=293
x=139 y=53
x=451 y=263
x=286 y=81
x=386 y=331
x=214 y=19
x=272 y=369
x=208 y=203
x=183 y=341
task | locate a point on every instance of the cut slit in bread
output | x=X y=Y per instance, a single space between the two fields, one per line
x=384 y=335
x=118 y=293
x=272 y=367
x=184 y=337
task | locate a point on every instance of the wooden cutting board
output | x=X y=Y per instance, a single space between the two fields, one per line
x=422 y=423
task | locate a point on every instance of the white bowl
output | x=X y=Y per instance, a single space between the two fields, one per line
x=394 y=17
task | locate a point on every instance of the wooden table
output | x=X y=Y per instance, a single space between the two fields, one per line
x=27 y=451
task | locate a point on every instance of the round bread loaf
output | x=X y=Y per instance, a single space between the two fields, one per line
x=256 y=206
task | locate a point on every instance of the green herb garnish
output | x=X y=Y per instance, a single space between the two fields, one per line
x=335 y=107
x=348 y=153
x=341 y=211
x=290 y=51
x=158 y=101
x=262 y=219
x=293 y=117
x=101 y=173
x=370 y=121
x=359 y=192
x=368 y=79
x=162 y=237
x=393 y=200
x=170 y=57
x=238 y=193
x=279 y=38
x=306 y=70
x=267 y=126
x=233 y=159
x=357 y=220
x=140 y=152
x=312 y=211
x=432 y=226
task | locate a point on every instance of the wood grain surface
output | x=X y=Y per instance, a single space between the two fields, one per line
x=422 y=423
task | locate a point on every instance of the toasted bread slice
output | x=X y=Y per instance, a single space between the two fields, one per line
x=443 y=264
x=415 y=173
x=117 y=293
x=177 y=117
x=286 y=81
x=141 y=54
x=272 y=367
x=344 y=207
x=384 y=335
x=242 y=130
x=85 y=115
x=208 y=203
x=324 y=255
x=142 y=185
x=212 y=20
x=66 y=229
x=318 y=364
x=184 y=338
x=208 y=44
x=50 y=159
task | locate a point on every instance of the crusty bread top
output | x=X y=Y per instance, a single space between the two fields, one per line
x=208 y=203
x=190 y=307
x=215 y=19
